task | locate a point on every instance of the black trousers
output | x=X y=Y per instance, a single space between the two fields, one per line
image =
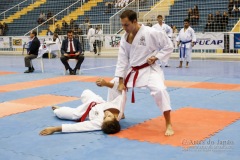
x=28 y=59
x=79 y=59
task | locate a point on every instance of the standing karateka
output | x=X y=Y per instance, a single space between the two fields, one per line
x=163 y=27
x=102 y=115
x=186 y=38
x=91 y=37
x=140 y=47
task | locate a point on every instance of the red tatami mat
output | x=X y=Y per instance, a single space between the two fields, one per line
x=190 y=125
x=31 y=103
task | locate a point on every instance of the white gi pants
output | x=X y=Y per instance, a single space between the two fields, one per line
x=188 y=54
x=157 y=90
x=76 y=113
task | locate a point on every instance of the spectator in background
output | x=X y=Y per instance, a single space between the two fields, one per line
x=98 y=40
x=58 y=30
x=49 y=15
x=230 y=7
x=41 y=18
x=109 y=7
x=190 y=15
x=195 y=17
x=49 y=32
x=64 y=26
x=87 y=20
x=217 y=21
x=149 y=23
x=236 y=8
x=5 y=28
x=72 y=24
x=1 y=29
x=210 y=23
x=174 y=35
x=91 y=37
x=224 y=21
x=79 y=35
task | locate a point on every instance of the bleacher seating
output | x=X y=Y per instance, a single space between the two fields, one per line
x=19 y=27
x=4 y=5
x=178 y=12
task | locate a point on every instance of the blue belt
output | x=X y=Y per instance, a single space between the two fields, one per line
x=184 y=49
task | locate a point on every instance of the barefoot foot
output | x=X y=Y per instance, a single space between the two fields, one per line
x=169 y=130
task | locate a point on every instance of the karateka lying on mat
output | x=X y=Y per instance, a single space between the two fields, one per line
x=103 y=115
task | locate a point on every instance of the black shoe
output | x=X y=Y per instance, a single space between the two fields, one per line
x=71 y=72
x=28 y=71
x=74 y=71
x=167 y=66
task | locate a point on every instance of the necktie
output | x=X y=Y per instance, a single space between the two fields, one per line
x=71 y=47
x=84 y=116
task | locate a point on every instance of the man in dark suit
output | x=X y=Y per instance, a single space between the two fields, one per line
x=71 y=49
x=32 y=51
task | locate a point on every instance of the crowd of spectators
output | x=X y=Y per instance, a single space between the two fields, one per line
x=193 y=15
x=219 y=21
x=43 y=17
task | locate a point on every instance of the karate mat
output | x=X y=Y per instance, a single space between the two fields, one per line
x=5 y=73
x=203 y=86
x=192 y=126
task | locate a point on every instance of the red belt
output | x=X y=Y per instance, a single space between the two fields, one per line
x=136 y=69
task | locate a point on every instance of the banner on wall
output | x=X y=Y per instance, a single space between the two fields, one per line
x=18 y=42
x=209 y=40
x=4 y=42
x=112 y=41
x=236 y=41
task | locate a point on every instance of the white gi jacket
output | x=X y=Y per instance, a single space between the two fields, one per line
x=91 y=35
x=188 y=35
x=147 y=42
x=99 y=35
x=165 y=28
x=96 y=114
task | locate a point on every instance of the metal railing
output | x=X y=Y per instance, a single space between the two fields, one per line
x=155 y=11
x=114 y=21
x=14 y=7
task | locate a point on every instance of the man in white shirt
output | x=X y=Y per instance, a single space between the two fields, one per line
x=186 y=39
x=71 y=49
x=163 y=27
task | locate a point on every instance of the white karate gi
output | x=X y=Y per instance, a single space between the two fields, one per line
x=147 y=42
x=91 y=38
x=185 y=36
x=96 y=114
x=167 y=29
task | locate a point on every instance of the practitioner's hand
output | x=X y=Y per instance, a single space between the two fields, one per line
x=101 y=82
x=77 y=53
x=121 y=87
x=192 y=44
x=66 y=55
x=152 y=60
x=178 y=43
x=50 y=130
